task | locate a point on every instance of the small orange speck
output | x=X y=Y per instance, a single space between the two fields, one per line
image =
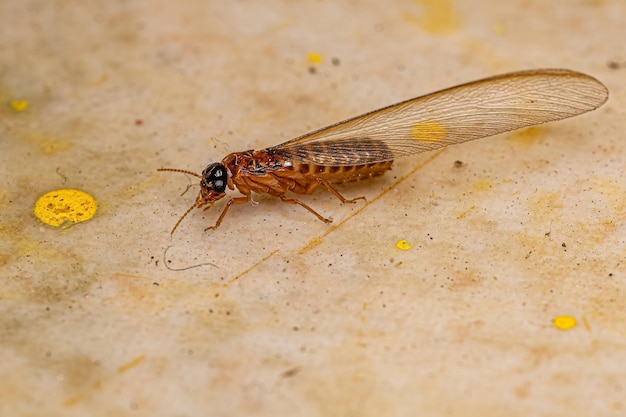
x=586 y=324
x=460 y=216
x=131 y=364
x=70 y=401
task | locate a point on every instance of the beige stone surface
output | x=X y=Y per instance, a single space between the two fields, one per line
x=276 y=313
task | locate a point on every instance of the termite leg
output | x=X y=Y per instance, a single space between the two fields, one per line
x=238 y=200
x=339 y=196
x=294 y=201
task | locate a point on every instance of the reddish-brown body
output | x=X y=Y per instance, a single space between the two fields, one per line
x=365 y=146
x=265 y=173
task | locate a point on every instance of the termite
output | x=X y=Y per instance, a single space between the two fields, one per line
x=365 y=146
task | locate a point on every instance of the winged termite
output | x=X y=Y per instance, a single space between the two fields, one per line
x=365 y=146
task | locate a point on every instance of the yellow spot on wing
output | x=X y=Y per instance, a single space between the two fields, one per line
x=403 y=245
x=65 y=207
x=564 y=322
x=429 y=132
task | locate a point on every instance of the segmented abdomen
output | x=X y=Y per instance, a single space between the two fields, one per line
x=339 y=161
x=343 y=173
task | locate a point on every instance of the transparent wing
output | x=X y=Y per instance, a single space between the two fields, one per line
x=455 y=115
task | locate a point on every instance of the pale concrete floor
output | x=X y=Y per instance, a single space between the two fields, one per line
x=296 y=317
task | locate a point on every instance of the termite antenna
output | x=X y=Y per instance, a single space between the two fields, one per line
x=183 y=216
x=182 y=171
x=196 y=204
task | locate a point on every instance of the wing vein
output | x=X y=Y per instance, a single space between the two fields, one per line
x=455 y=115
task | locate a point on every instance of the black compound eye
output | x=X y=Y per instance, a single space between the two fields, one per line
x=214 y=176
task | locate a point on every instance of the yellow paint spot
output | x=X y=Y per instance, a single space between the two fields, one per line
x=528 y=136
x=438 y=17
x=314 y=58
x=564 y=322
x=403 y=245
x=429 y=132
x=545 y=204
x=65 y=207
x=19 y=105
x=482 y=185
x=460 y=216
x=498 y=29
x=51 y=146
x=47 y=145
x=319 y=239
